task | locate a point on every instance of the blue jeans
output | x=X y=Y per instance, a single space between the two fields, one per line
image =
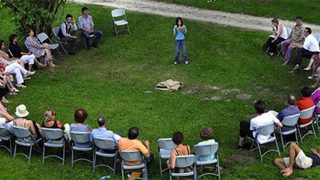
x=181 y=43
x=97 y=38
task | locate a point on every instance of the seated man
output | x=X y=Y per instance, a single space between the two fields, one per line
x=67 y=33
x=304 y=103
x=261 y=119
x=87 y=27
x=103 y=133
x=292 y=109
x=309 y=48
x=297 y=158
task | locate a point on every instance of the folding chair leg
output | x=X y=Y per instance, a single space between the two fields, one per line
x=194 y=172
x=114 y=165
x=64 y=153
x=299 y=133
x=281 y=137
x=160 y=165
x=72 y=157
x=170 y=175
x=122 y=173
x=30 y=152
x=314 y=131
x=260 y=152
x=15 y=150
x=10 y=145
x=94 y=161
x=128 y=28
x=43 y=153
x=218 y=167
x=277 y=146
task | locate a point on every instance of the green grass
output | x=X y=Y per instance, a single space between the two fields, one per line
x=113 y=79
x=286 y=9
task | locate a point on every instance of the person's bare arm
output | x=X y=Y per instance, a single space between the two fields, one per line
x=315 y=151
x=7 y=116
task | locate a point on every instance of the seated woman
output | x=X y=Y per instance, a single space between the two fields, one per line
x=179 y=150
x=51 y=122
x=206 y=136
x=79 y=117
x=37 y=49
x=26 y=57
x=21 y=121
x=6 y=120
x=6 y=83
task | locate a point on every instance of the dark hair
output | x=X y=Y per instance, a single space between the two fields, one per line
x=291 y=100
x=102 y=121
x=206 y=133
x=1 y=42
x=133 y=133
x=308 y=29
x=12 y=37
x=177 y=137
x=275 y=20
x=260 y=106
x=28 y=30
x=298 y=17
x=306 y=92
x=68 y=16
x=179 y=19
x=84 y=8
x=80 y=115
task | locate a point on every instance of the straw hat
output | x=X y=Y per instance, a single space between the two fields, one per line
x=21 y=111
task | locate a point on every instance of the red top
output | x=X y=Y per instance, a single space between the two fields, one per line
x=305 y=103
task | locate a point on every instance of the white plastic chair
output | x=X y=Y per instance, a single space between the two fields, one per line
x=55 y=32
x=267 y=130
x=133 y=156
x=23 y=138
x=119 y=19
x=182 y=162
x=289 y=121
x=165 y=145
x=288 y=30
x=317 y=36
x=80 y=138
x=5 y=135
x=104 y=144
x=305 y=114
x=53 y=138
x=43 y=37
x=208 y=150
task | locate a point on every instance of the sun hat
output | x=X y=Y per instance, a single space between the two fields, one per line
x=21 y=111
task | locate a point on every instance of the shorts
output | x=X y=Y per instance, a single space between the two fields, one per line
x=302 y=161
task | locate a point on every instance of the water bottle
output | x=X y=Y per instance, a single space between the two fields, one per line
x=104 y=177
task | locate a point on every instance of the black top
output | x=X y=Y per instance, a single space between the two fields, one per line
x=55 y=125
x=15 y=50
x=315 y=159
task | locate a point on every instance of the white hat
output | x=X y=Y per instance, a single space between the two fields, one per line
x=21 y=111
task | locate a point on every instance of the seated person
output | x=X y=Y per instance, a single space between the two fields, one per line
x=51 y=122
x=292 y=109
x=315 y=96
x=206 y=136
x=297 y=158
x=261 y=119
x=279 y=34
x=103 y=133
x=179 y=150
x=21 y=121
x=304 y=103
x=67 y=33
x=6 y=120
x=80 y=116
x=37 y=49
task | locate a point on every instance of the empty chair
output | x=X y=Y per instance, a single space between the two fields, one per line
x=5 y=135
x=24 y=138
x=55 y=32
x=267 y=130
x=305 y=114
x=165 y=145
x=119 y=19
x=182 y=163
x=209 y=150
x=80 y=138
x=105 y=148
x=44 y=37
x=53 y=138
x=133 y=156
x=289 y=122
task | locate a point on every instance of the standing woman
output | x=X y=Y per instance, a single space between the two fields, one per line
x=179 y=31
x=38 y=49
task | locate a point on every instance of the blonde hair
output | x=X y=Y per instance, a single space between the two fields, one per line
x=47 y=114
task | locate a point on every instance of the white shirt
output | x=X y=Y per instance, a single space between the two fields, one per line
x=284 y=33
x=262 y=120
x=311 y=44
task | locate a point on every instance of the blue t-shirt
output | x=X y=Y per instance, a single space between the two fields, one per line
x=80 y=128
x=179 y=34
x=288 y=111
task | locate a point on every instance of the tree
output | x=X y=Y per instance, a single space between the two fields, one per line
x=36 y=14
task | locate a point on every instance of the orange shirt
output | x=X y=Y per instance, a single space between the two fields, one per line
x=305 y=103
x=133 y=144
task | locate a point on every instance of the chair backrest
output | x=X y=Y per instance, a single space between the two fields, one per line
x=165 y=143
x=52 y=133
x=21 y=132
x=55 y=32
x=131 y=155
x=4 y=132
x=288 y=30
x=206 y=149
x=185 y=161
x=307 y=113
x=80 y=137
x=291 y=120
x=117 y=13
x=317 y=36
x=42 y=37
x=104 y=143
x=266 y=130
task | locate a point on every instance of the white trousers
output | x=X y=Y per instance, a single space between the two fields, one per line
x=28 y=59
x=18 y=70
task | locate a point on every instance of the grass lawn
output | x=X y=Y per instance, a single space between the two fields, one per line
x=286 y=9
x=118 y=80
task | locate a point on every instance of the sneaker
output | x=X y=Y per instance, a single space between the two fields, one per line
x=21 y=86
x=30 y=73
x=310 y=77
x=285 y=63
x=26 y=78
x=307 y=69
x=186 y=62
x=270 y=54
x=175 y=62
x=4 y=100
x=15 y=90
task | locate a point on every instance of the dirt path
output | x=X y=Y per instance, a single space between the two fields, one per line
x=172 y=10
